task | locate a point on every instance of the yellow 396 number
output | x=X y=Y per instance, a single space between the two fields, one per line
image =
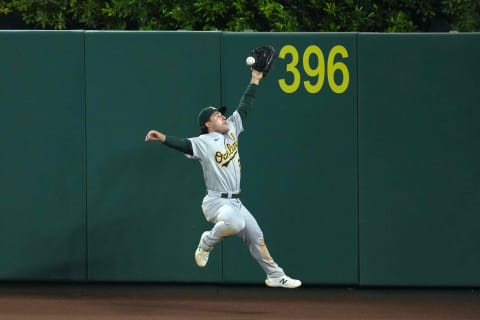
x=318 y=73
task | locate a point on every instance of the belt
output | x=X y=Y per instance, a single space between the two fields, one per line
x=231 y=195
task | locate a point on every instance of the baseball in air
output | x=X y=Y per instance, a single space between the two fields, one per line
x=250 y=61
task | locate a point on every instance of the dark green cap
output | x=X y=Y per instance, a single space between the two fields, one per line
x=205 y=115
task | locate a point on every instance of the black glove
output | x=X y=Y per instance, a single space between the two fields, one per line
x=264 y=57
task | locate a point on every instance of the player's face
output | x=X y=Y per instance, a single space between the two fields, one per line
x=217 y=122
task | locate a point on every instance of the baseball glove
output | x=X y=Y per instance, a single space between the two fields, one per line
x=264 y=57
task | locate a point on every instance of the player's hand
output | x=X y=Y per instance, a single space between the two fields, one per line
x=154 y=135
x=256 y=76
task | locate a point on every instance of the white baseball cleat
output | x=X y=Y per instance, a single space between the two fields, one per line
x=283 y=282
x=201 y=256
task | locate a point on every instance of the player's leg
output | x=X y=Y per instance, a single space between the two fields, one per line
x=252 y=235
x=228 y=221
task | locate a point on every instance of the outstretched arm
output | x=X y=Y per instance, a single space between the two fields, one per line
x=246 y=102
x=180 y=144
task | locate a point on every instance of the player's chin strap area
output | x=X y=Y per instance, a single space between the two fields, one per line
x=225 y=195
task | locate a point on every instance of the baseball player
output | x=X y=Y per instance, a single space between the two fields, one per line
x=217 y=150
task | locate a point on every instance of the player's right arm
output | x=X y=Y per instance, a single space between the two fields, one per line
x=180 y=144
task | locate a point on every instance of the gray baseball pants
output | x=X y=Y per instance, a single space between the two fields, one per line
x=231 y=217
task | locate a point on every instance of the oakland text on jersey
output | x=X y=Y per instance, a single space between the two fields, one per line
x=224 y=158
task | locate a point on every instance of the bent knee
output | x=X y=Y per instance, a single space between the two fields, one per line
x=233 y=228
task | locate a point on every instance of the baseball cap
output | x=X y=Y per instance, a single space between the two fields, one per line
x=205 y=114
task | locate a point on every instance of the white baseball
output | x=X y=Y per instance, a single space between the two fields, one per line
x=250 y=61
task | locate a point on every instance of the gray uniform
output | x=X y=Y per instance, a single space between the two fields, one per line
x=220 y=160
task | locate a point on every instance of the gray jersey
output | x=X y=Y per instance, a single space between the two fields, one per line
x=219 y=157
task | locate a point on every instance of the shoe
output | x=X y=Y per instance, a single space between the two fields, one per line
x=201 y=256
x=283 y=282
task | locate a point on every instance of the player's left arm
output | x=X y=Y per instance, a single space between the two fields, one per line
x=246 y=102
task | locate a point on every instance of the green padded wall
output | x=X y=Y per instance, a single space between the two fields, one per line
x=42 y=133
x=298 y=156
x=144 y=216
x=419 y=142
x=360 y=160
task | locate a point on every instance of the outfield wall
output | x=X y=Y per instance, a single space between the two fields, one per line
x=360 y=160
